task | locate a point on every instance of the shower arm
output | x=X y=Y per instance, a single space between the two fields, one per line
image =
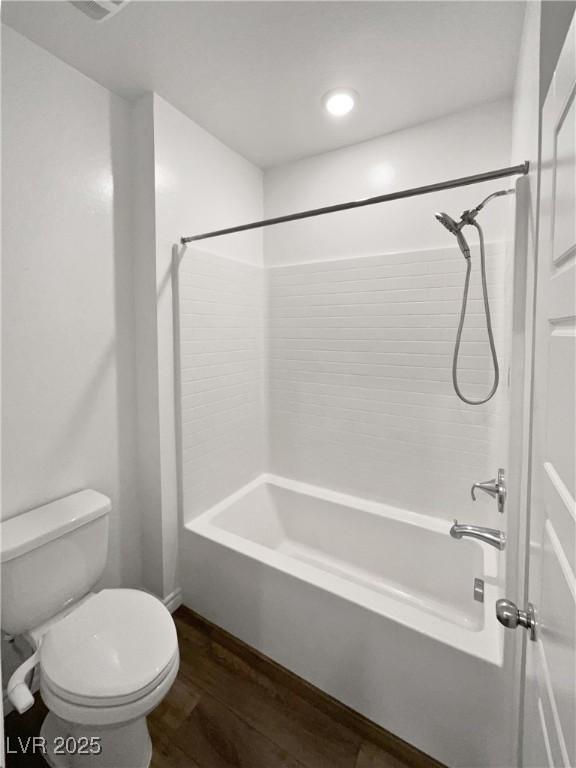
x=469 y=216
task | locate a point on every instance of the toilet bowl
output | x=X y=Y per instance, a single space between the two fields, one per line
x=103 y=668
x=106 y=659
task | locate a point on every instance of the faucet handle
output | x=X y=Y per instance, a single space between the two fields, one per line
x=495 y=488
x=489 y=486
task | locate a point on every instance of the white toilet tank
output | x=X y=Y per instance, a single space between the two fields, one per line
x=51 y=557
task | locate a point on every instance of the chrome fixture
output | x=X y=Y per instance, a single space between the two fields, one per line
x=468 y=218
x=454 y=228
x=479 y=590
x=495 y=488
x=488 y=535
x=510 y=616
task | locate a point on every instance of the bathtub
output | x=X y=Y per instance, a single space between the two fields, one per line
x=373 y=604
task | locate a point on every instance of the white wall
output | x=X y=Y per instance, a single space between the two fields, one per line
x=469 y=142
x=68 y=384
x=200 y=184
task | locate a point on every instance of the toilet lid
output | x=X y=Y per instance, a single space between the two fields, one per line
x=114 y=644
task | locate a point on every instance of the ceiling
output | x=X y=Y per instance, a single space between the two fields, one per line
x=253 y=73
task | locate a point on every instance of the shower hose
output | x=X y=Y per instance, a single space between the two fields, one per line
x=488 y=324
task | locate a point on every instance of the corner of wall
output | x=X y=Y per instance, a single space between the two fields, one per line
x=144 y=263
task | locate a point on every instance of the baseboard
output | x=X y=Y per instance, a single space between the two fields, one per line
x=173 y=601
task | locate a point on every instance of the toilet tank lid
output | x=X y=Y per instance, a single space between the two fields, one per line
x=25 y=532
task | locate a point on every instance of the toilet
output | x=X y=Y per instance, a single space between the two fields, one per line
x=106 y=659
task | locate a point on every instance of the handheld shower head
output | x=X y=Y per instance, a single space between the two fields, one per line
x=468 y=218
x=448 y=222
x=456 y=229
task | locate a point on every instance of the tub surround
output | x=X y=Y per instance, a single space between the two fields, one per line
x=338 y=374
x=360 y=390
x=223 y=407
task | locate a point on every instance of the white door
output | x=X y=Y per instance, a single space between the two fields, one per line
x=549 y=727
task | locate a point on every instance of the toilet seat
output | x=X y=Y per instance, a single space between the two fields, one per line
x=112 y=701
x=101 y=713
x=117 y=647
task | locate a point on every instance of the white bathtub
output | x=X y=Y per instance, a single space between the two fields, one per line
x=373 y=604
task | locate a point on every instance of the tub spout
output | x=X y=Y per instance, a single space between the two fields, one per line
x=490 y=536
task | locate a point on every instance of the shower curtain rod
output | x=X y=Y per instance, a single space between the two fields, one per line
x=513 y=170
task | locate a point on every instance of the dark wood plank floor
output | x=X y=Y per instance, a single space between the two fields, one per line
x=230 y=707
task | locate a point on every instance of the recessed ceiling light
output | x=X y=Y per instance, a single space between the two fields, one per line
x=340 y=101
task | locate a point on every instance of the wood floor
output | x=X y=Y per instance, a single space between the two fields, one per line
x=232 y=708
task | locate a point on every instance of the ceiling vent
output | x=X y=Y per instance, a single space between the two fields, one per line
x=99 y=10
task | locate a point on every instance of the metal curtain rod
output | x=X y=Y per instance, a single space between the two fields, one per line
x=513 y=170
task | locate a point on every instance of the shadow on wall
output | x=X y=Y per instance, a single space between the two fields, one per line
x=128 y=518
x=116 y=360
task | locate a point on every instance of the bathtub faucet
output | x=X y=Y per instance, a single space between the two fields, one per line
x=488 y=535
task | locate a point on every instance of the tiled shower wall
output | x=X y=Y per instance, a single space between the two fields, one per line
x=342 y=378
x=223 y=431
x=361 y=399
